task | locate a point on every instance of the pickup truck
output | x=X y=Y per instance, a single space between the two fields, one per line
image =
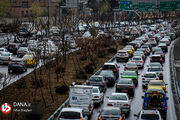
x=80 y=96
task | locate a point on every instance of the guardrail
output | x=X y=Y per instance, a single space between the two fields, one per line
x=173 y=74
x=65 y=104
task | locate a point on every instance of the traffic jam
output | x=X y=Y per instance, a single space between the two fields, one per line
x=133 y=86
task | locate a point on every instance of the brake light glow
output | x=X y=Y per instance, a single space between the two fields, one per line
x=102 y=83
x=115 y=70
x=109 y=104
x=96 y=97
x=141 y=61
x=6 y=46
x=100 y=118
x=157 y=79
x=131 y=87
x=162 y=55
x=69 y=105
x=160 y=59
x=117 y=86
x=88 y=83
x=9 y=63
x=126 y=105
x=132 y=60
x=166 y=107
x=20 y=64
x=126 y=54
x=150 y=59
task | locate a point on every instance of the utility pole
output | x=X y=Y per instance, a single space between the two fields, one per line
x=48 y=18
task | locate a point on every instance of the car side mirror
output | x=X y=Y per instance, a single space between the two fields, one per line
x=142 y=97
x=99 y=111
x=166 y=84
x=167 y=98
x=107 y=96
x=135 y=115
x=166 y=91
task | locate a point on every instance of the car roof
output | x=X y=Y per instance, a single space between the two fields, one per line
x=149 y=111
x=119 y=94
x=109 y=64
x=71 y=109
x=156 y=55
x=150 y=73
x=110 y=108
x=96 y=76
x=156 y=81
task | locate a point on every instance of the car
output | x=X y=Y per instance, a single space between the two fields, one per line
x=13 y=47
x=113 y=67
x=109 y=77
x=72 y=114
x=139 y=61
x=148 y=115
x=6 y=57
x=3 y=50
x=160 y=53
x=143 y=50
x=140 y=53
x=157 y=84
x=154 y=49
x=97 y=95
x=131 y=75
x=164 y=41
x=167 y=41
x=152 y=41
x=111 y=113
x=130 y=46
x=22 y=51
x=146 y=47
x=163 y=46
x=146 y=77
x=17 y=65
x=158 y=70
x=125 y=85
x=120 y=100
x=156 y=58
x=122 y=55
x=30 y=60
x=97 y=80
x=151 y=64
x=131 y=66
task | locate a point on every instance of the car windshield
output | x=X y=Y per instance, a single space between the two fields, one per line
x=118 y=97
x=136 y=58
x=70 y=115
x=1 y=49
x=122 y=52
x=95 y=90
x=155 y=69
x=150 y=76
x=96 y=79
x=150 y=117
x=108 y=67
x=28 y=57
x=106 y=73
x=22 y=48
x=125 y=82
x=129 y=73
x=5 y=54
x=157 y=83
x=131 y=64
x=111 y=112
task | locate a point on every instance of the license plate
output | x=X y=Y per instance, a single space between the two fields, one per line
x=124 y=90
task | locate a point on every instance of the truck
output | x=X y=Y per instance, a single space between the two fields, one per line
x=80 y=96
x=155 y=99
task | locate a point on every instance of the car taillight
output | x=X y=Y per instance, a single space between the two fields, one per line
x=88 y=83
x=102 y=83
x=14 y=46
x=143 y=79
x=6 y=47
x=99 y=118
x=141 y=61
x=9 y=63
x=126 y=105
x=109 y=104
x=90 y=108
x=69 y=105
x=9 y=58
x=136 y=68
x=157 y=78
x=126 y=54
x=132 y=60
x=143 y=106
x=131 y=87
x=96 y=97
x=160 y=59
x=166 y=107
x=150 y=59
x=102 y=68
x=115 y=70
x=117 y=86
x=20 y=64
x=162 y=55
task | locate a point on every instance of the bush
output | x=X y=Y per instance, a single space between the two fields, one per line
x=89 y=69
x=81 y=75
x=112 y=50
x=61 y=89
x=83 y=58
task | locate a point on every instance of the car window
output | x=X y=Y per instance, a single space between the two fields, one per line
x=28 y=57
x=149 y=75
x=111 y=112
x=136 y=58
x=155 y=69
x=131 y=64
x=125 y=82
x=5 y=54
x=118 y=97
x=96 y=79
x=129 y=73
x=70 y=115
x=95 y=90
x=107 y=73
x=108 y=67
x=157 y=83
x=150 y=116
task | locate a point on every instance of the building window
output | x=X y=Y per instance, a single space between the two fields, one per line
x=12 y=1
x=25 y=4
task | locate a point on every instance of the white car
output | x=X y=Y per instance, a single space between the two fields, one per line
x=6 y=57
x=139 y=61
x=167 y=40
x=97 y=96
x=72 y=114
x=147 y=77
x=3 y=50
x=120 y=100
